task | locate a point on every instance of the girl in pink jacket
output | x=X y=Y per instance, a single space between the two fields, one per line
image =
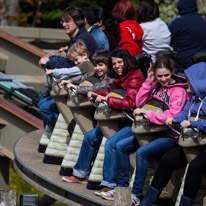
x=169 y=90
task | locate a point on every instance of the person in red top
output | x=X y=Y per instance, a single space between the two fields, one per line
x=129 y=78
x=131 y=31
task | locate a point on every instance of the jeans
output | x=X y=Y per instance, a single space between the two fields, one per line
x=110 y=158
x=154 y=149
x=49 y=111
x=124 y=148
x=92 y=140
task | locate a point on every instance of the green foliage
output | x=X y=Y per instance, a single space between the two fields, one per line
x=202 y=8
x=168 y=9
x=18 y=184
x=47 y=12
x=22 y=187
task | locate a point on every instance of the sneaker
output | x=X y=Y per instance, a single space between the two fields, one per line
x=135 y=201
x=75 y=179
x=104 y=189
x=108 y=195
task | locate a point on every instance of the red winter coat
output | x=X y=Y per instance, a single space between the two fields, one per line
x=131 y=82
x=131 y=37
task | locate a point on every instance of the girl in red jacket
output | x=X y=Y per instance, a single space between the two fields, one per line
x=131 y=31
x=128 y=78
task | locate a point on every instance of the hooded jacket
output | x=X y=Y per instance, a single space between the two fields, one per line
x=196 y=106
x=173 y=95
x=131 y=37
x=188 y=33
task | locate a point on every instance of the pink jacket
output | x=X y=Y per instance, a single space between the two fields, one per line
x=174 y=96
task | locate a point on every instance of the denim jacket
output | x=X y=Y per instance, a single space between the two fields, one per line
x=99 y=36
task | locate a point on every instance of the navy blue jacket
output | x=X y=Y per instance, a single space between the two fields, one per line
x=188 y=33
x=83 y=35
x=196 y=106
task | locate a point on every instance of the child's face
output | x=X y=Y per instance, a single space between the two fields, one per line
x=100 y=69
x=80 y=59
x=163 y=76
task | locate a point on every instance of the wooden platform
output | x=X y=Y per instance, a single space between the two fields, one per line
x=45 y=177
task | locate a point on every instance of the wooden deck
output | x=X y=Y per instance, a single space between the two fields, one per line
x=45 y=177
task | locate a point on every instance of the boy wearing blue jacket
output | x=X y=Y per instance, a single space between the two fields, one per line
x=175 y=158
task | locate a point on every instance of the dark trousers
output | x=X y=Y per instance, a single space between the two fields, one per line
x=175 y=159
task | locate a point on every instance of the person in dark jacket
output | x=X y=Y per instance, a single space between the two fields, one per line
x=188 y=33
x=109 y=25
x=175 y=158
x=73 y=24
x=129 y=78
x=93 y=28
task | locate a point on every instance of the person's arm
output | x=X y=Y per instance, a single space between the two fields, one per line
x=200 y=124
x=177 y=103
x=67 y=71
x=145 y=92
x=183 y=115
x=100 y=86
x=106 y=91
x=78 y=79
x=59 y=64
x=133 y=85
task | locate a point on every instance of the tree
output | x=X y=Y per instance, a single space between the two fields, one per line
x=168 y=9
x=8 y=12
x=46 y=13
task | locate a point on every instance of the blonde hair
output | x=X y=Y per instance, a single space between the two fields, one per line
x=77 y=49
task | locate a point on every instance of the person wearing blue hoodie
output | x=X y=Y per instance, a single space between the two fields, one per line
x=188 y=33
x=175 y=158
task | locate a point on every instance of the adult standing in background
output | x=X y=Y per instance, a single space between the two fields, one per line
x=131 y=31
x=156 y=35
x=188 y=33
x=93 y=28
x=109 y=25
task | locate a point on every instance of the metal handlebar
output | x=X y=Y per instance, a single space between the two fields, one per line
x=102 y=101
x=52 y=77
x=94 y=96
x=178 y=124
x=125 y=111
x=73 y=90
x=145 y=117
